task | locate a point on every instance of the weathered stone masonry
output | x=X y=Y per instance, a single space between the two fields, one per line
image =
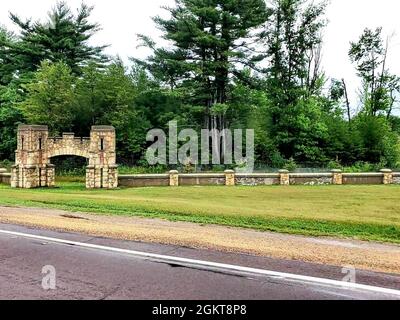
x=283 y=177
x=33 y=168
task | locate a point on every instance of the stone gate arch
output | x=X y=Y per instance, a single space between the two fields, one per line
x=35 y=148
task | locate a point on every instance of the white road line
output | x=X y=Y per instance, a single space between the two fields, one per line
x=212 y=265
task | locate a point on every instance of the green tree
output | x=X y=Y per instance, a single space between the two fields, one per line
x=369 y=54
x=108 y=96
x=120 y=90
x=292 y=37
x=338 y=94
x=211 y=41
x=89 y=98
x=63 y=37
x=51 y=97
x=10 y=117
x=379 y=143
x=7 y=68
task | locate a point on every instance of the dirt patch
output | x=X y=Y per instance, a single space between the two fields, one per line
x=70 y=216
x=360 y=254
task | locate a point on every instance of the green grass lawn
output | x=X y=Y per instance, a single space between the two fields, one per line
x=362 y=212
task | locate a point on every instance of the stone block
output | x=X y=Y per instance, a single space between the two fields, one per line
x=387 y=176
x=229 y=177
x=284 y=177
x=174 y=178
x=337 y=177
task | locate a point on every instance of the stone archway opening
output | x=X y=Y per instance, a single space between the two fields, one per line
x=33 y=168
x=70 y=169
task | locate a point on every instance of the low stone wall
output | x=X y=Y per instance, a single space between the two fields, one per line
x=363 y=178
x=257 y=179
x=5 y=177
x=396 y=178
x=230 y=178
x=284 y=177
x=144 y=180
x=204 y=179
x=317 y=179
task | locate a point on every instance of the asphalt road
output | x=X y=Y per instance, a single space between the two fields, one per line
x=83 y=273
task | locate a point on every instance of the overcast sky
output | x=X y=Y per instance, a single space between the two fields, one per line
x=121 y=20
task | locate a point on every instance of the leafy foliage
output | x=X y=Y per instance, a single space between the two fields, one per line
x=211 y=42
x=50 y=97
x=63 y=37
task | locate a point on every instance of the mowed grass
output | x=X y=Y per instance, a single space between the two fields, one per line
x=360 y=212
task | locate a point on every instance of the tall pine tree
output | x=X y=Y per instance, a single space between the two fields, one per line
x=64 y=37
x=212 y=42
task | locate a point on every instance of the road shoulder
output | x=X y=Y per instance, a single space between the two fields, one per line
x=328 y=251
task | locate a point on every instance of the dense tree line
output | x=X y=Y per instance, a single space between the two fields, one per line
x=228 y=64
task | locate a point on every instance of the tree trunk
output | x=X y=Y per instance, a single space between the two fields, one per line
x=347 y=100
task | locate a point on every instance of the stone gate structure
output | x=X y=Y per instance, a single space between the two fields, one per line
x=35 y=149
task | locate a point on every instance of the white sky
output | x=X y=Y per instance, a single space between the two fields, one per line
x=121 y=20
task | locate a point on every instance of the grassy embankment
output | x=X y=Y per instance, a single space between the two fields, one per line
x=361 y=212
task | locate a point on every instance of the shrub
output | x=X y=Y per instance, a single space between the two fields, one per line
x=290 y=165
x=334 y=164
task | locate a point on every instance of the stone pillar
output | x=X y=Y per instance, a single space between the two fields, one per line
x=50 y=176
x=90 y=177
x=229 y=178
x=2 y=171
x=284 y=177
x=387 y=176
x=31 y=176
x=14 y=176
x=102 y=171
x=173 y=178
x=337 y=177
x=112 y=177
x=31 y=159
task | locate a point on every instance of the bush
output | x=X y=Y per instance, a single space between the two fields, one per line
x=142 y=170
x=6 y=164
x=290 y=165
x=334 y=164
x=361 y=166
x=379 y=143
x=277 y=161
